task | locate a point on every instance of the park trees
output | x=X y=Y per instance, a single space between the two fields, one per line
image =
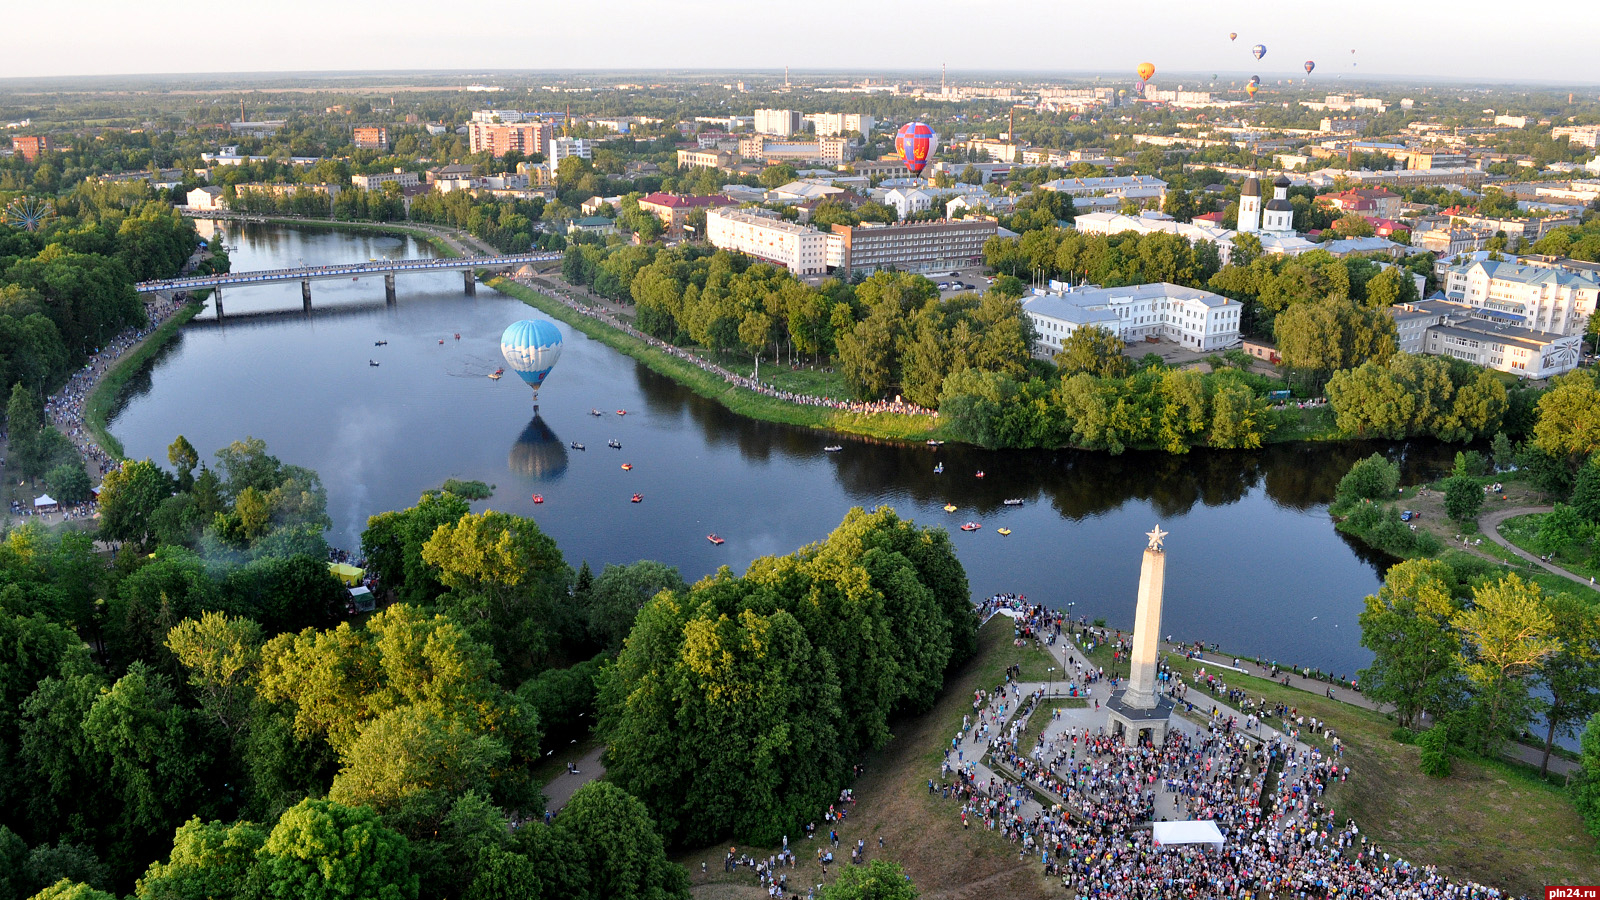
x=322 y=850
x=1571 y=675
x=1586 y=787
x=1321 y=337
x=1408 y=627
x=620 y=592
x=1569 y=417
x=1508 y=634
x=393 y=541
x=1092 y=350
x=877 y=880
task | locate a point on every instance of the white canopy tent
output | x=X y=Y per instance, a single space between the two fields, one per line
x=44 y=501
x=1168 y=834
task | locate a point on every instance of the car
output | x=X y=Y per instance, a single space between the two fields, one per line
x=1407 y=516
x=955 y=274
x=944 y=285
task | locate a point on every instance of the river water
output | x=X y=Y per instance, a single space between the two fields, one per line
x=1253 y=562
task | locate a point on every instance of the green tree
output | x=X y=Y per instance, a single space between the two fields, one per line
x=1463 y=498
x=415 y=759
x=1508 y=634
x=1407 y=626
x=129 y=499
x=1373 y=478
x=1435 y=746
x=626 y=857
x=393 y=543
x=149 y=743
x=776 y=176
x=877 y=880
x=222 y=654
x=1501 y=450
x=1569 y=417
x=321 y=850
x=1586 y=491
x=1571 y=675
x=1586 y=786
x=208 y=860
x=72 y=890
x=620 y=592
x=1093 y=350
x=70 y=482
x=183 y=457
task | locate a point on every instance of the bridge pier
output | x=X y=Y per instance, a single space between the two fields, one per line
x=388 y=288
x=216 y=301
x=471 y=283
x=305 y=293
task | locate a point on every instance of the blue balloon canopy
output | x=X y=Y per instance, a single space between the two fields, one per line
x=531 y=348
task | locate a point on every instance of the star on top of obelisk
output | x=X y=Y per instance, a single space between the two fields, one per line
x=1155 y=537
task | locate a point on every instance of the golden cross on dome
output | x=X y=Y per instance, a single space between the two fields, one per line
x=1155 y=537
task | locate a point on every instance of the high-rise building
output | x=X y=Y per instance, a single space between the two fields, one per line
x=374 y=137
x=31 y=148
x=781 y=122
x=526 y=138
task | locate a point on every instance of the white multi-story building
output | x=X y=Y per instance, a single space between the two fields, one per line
x=1531 y=297
x=497 y=116
x=780 y=122
x=1130 y=187
x=378 y=180
x=908 y=201
x=828 y=124
x=801 y=250
x=1198 y=320
x=1444 y=328
x=1587 y=135
x=563 y=147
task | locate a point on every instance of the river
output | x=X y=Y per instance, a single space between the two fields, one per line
x=1254 y=563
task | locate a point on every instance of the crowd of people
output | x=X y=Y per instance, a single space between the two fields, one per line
x=897 y=405
x=1282 y=842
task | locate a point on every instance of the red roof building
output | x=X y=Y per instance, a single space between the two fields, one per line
x=1369 y=203
x=673 y=209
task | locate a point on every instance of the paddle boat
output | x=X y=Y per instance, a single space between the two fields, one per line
x=980 y=473
x=938 y=469
x=833 y=448
x=538 y=498
x=458 y=335
x=1014 y=501
x=971 y=526
x=949 y=507
x=595 y=412
x=372 y=362
x=614 y=444
x=622 y=412
x=637 y=498
x=627 y=467
x=714 y=539
x=933 y=443
x=380 y=343
x=441 y=340
x=577 y=446
x=1004 y=530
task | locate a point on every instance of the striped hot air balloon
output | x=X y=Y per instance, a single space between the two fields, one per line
x=916 y=143
x=531 y=348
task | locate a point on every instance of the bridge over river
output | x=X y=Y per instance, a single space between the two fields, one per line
x=388 y=268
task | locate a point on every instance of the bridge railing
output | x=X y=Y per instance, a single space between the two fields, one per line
x=266 y=276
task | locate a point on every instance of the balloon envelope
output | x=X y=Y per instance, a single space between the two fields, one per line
x=1310 y=64
x=915 y=142
x=531 y=348
x=1255 y=79
x=1145 y=70
x=1259 y=50
x=1233 y=35
x=1251 y=89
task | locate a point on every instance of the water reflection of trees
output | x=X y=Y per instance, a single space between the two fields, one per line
x=538 y=453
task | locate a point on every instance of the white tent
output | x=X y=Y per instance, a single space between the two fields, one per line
x=44 y=501
x=1168 y=834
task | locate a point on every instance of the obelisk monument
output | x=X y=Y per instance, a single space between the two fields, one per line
x=1138 y=706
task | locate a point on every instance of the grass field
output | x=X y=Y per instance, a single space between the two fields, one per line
x=1489 y=821
x=103 y=398
x=739 y=400
x=1523 y=531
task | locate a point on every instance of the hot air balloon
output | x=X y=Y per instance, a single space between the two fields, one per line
x=1310 y=64
x=1255 y=79
x=531 y=348
x=1146 y=70
x=1259 y=50
x=915 y=142
x=1251 y=90
x=1233 y=35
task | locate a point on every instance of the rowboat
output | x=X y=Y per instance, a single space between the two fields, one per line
x=949 y=507
x=1004 y=530
x=714 y=539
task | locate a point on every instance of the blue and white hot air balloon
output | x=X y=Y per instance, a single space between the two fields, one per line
x=531 y=348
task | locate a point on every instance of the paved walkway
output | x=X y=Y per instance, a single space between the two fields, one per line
x=563 y=786
x=1489 y=524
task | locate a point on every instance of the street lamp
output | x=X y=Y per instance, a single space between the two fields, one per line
x=1051 y=682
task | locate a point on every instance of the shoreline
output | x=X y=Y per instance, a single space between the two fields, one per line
x=104 y=391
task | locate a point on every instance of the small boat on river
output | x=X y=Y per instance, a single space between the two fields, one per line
x=495 y=375
x=714 y=539
x=614 y=444
x=577 y=446
x=1014 y=501
x=833 y=448
x=980 y=473
x=638 y=497
x=595 y=412
x=949 y=507
x=372 y=362
x=380 y=343
x=932 y=443
x=1004 y=530
x=538 y=498
x=458 y=335
x=622 y=412
x=627 y=467
x=971 y=526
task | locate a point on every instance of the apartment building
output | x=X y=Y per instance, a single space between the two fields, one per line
x=32 y=147
x=378 y=180
x=916 y=247
x=1443 y=328
x=370 y=137
x=526 y=138
x=673 y=209
x=1532 y=297
x=778 y=122
x=834 y=124
x=801 y=250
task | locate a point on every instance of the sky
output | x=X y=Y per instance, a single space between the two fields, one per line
x=1549 y=41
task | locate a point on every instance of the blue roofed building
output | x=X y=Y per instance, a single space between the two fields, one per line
x=1537 y=297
